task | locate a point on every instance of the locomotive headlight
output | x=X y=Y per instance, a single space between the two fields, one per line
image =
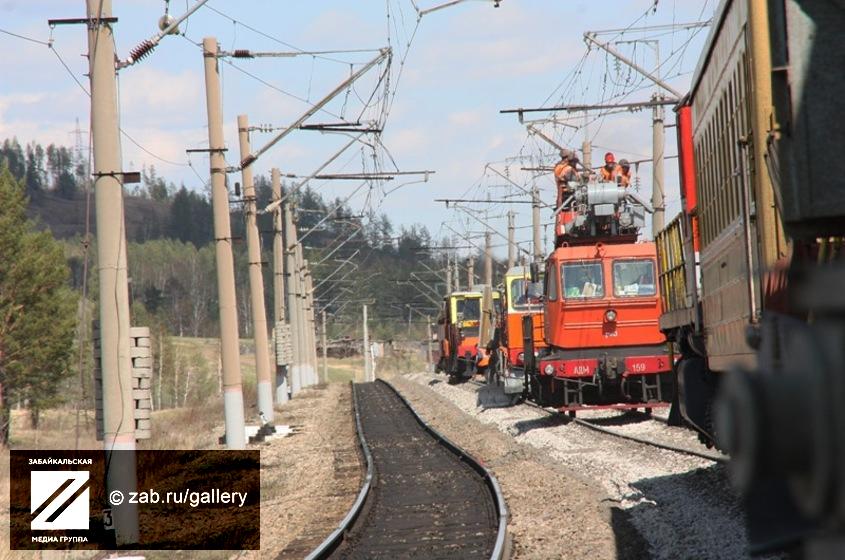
x=520 y=357
x=610 y=315
x=549 y=369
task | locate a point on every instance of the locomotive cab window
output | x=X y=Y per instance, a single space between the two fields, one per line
x=525 y=293
x=469 y=314
x=582 y=280
x=550 y=283
x=632 y=278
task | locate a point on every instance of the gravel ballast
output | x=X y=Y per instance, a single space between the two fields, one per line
x=681 y=506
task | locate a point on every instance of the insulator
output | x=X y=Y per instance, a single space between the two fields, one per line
x=142 y=50
x=242 y=53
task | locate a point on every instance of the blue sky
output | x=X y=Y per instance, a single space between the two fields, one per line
x=464 y=64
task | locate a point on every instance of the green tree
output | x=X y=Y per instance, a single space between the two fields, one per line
x=37 y=309
x=34 y=169
x=13 y=156
x=155 y=185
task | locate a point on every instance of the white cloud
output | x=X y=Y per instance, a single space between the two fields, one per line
x=162 y=97
x=407 y=141
x=465 y=118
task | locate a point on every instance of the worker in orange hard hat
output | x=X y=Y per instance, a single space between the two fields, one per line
x=608 y=171
x=565 y=172
x=623 y=173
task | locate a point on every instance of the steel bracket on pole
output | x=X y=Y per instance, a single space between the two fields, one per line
x=206 y=150
x=77 y=21
x=126 y=177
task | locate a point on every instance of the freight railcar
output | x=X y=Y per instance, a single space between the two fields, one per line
x=751 y=271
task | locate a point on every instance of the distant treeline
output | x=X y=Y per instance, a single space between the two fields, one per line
x=171 y=255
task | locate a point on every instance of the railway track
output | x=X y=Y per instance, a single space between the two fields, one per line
x=601 y=429
x=422 y=497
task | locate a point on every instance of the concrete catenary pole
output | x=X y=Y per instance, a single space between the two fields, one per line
x=511 y=239
x=305 y=339
x=366 y=347
x=471 y=273
x=311 y=317
x=324 y=345
x=658 y=145
x=314 y=327
x=279 y=280
x=115 y=359
x=263 y=383
x=448 y=275
x=428 y=343
x=587 y=152
x=233 y=398
x=658 y=153
x=535 y=223
x=488 y=259
x=486 y=326
x=294 y=369
x=456 y=275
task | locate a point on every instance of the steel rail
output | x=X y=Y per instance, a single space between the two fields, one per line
x=501 y=549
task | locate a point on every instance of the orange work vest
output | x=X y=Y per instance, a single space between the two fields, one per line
x=608 y=175
x=563 y=172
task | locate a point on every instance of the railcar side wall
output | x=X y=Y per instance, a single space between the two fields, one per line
x=738 y=227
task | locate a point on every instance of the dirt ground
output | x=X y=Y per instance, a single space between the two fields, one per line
x=554 y=512
x=308 y=480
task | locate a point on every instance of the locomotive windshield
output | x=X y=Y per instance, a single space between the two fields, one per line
x=469 y=309
x=469 y=315
x=524 y=293
x=582 y=280
x=633 y=278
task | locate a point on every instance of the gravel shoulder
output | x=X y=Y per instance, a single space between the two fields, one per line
x=681 y=506
x=554 y=511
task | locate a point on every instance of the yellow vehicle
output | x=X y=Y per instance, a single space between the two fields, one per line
x=522 y=298
x=458 y=333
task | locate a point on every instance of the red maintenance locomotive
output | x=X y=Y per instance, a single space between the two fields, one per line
x=601 y=307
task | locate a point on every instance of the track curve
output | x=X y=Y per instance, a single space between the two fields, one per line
x=422 y=497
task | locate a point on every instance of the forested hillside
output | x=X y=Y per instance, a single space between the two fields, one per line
x=171 y=257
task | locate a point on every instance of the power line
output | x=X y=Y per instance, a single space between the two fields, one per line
x=316 y=54
x=25 y=38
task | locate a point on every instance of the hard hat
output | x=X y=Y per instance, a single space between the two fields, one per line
x=565 y=154
x=609 y=158
x=624 y=163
